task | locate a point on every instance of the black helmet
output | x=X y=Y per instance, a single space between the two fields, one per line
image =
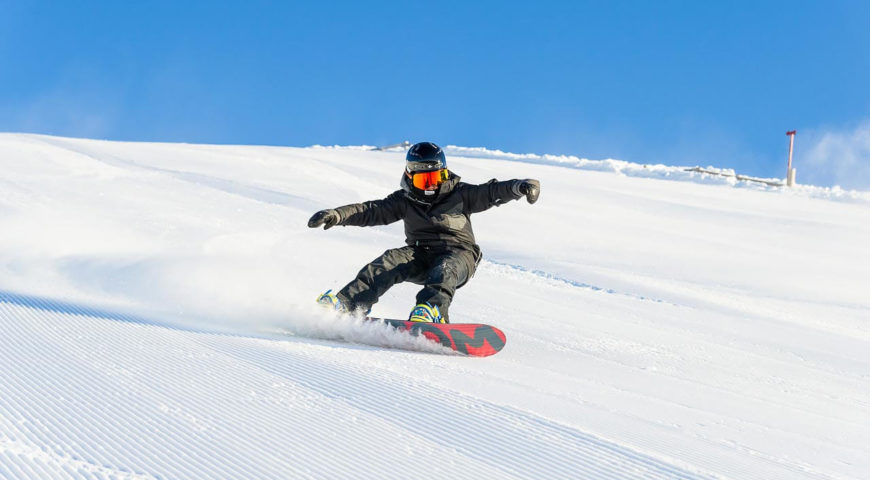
x=425 y=171
x=425 y=157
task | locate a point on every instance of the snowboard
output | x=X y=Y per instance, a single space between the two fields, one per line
x=473 y=339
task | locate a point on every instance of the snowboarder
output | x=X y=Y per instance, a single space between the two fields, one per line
x=441 y=253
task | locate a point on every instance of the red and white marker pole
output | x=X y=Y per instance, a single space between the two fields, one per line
x=790 y=173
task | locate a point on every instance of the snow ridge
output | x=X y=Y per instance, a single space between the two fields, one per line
x=719 y=176
x=708 y=175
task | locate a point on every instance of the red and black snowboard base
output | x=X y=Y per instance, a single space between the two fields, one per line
x=474 y=339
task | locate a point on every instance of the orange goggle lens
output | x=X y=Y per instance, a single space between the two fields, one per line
x=424 y=180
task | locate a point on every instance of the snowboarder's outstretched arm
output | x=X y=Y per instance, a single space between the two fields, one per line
x=492 y=193
x=366 y=214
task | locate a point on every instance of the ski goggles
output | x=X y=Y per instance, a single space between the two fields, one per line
x=425 y=180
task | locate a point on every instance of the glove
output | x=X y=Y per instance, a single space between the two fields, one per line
x=329 y=218
x=530 y=188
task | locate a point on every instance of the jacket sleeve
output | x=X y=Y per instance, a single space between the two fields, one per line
x=374 y=212
x=478 y=198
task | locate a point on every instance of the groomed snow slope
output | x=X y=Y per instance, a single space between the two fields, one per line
x=156 y=321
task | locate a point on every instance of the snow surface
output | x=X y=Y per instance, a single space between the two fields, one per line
x=157 y=321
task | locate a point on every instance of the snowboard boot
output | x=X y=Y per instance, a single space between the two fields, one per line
x=329 y=301
x=425 y=312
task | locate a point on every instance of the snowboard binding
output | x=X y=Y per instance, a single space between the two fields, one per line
x=329 y=301
x=425 y=312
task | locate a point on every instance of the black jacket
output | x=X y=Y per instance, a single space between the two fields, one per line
x=443 y=221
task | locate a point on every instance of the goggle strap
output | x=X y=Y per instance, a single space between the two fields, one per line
x=424 y=166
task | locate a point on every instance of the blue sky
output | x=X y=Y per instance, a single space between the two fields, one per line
x=674 y=82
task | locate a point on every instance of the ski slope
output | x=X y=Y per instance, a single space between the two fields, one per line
x=157 y=322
